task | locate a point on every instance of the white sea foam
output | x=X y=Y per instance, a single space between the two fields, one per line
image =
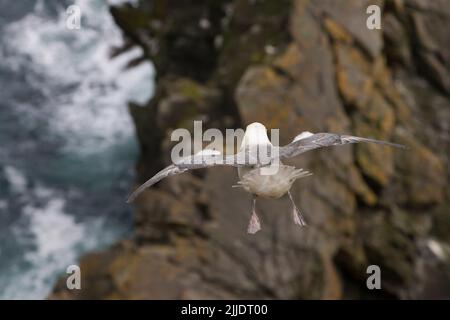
x=92 y=113
x=15 y=178
x=85 y=102
x=58 y=239
x=56 y=234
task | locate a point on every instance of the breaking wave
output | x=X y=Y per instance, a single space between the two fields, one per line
x=68 y=146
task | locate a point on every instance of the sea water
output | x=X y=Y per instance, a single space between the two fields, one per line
x=67 y=142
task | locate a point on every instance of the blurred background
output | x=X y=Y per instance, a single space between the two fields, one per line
x=86 y=115
x=67 y=140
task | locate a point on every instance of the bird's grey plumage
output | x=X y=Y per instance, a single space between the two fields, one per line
x=189 y=163
x=166 y=172
x=320 y=140
x=248 y=156
x=257 y=152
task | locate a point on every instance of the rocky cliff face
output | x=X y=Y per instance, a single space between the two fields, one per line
x=294 y=65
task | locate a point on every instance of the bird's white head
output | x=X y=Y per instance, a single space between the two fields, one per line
x=255 y=134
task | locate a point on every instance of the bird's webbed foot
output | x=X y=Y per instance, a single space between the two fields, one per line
x=296 y=214
x=254 y=224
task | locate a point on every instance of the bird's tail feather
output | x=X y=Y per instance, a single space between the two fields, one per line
x=300 y=173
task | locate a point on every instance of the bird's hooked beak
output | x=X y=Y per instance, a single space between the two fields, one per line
x=255 y=134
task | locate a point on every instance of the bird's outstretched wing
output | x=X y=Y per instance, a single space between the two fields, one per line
x=189 y=163
x=308 y=141
x=166 y=172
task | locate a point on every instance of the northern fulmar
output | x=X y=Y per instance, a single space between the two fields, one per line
x=256 y=158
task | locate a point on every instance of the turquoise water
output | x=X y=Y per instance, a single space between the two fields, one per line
x=67 y=145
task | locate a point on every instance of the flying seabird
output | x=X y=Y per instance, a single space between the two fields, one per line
x=257 y=154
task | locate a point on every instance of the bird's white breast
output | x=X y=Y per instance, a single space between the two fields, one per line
x=269 y=186
x=265 y=185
